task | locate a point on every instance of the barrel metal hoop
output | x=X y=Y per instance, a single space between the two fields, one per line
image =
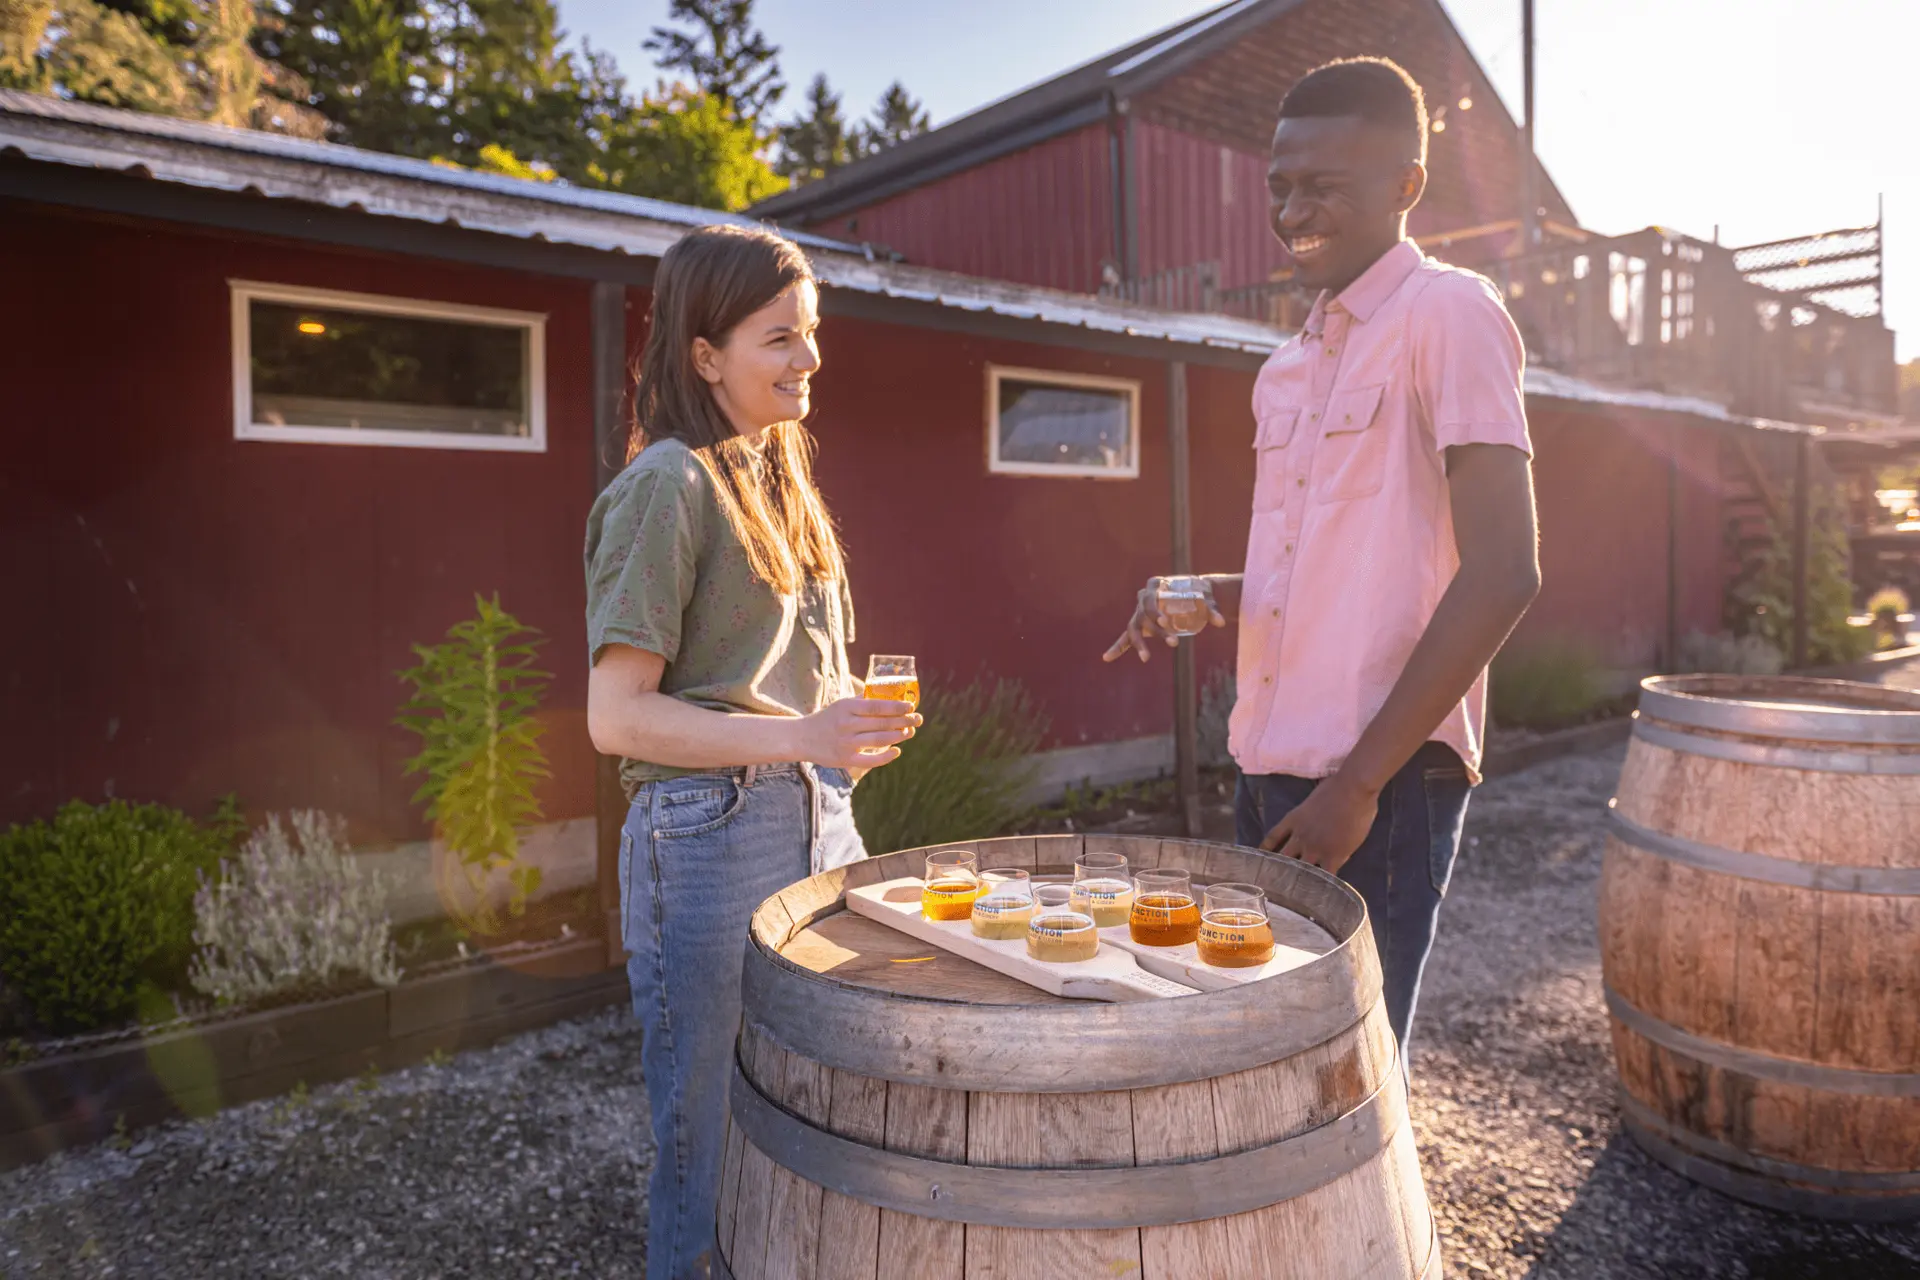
x=1083 y=1047
x=1156 y=1195
x=1886 y=764
x=1698 y=1144
x=1700 y=702
x=1899 y=882
x=1727 y=1057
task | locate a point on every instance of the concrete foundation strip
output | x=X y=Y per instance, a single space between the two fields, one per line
x=1902 y=882
x=1074 y=1199
x=1811 y=1075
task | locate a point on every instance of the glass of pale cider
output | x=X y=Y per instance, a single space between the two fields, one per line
x=1164 y=913
x=892 y=676
x=1102 y=889
x=1234 y=930
x=1005 y=904
x=1058 y=933
x=952 y=883
x=1183 y=603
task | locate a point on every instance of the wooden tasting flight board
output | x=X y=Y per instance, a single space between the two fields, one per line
x=1123 y=970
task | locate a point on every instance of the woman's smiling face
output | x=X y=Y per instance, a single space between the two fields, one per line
x=760 y=373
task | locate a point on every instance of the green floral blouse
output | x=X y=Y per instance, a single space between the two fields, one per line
x=667 y=573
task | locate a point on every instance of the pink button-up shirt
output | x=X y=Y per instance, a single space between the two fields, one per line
x=1352 y=540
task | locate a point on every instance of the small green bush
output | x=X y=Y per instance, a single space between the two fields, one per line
x=96 y=908
x=960 y=778
x=1544 y=686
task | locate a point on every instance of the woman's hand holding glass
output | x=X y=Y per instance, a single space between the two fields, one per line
x=856 y=733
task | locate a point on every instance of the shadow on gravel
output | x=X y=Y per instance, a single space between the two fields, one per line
x=1637 y=1220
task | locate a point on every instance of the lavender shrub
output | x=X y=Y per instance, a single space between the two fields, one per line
x=294 y=911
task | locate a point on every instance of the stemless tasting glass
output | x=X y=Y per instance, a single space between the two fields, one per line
x=1183 y=603
x=892 y=676
x=1057 y=932
x=1164 y=913
x=1005 y=905
x=1101 y=888
x=951 y=886
x=1234 y=930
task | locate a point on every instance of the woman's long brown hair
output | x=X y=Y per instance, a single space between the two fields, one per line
x=708 y=282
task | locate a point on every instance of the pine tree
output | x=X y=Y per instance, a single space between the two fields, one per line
x=23 y=28
x=896 y=117
x=818 y=142
x=360 y=59
x=726 y=56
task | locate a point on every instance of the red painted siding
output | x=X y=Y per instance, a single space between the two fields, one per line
x=1202 y=201
x=1601 y=478
x=1042 y=216
x=203 y=615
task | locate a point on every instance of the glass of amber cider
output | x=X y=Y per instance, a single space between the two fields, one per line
x=1183 y=603
x=1005 y=905
x=1058 y=933
x=1234 y=930
x=892 y=676
x=953 y=882
x=1165 y=913
x=1102 y=889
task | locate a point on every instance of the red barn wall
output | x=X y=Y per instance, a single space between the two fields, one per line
x=1202 y=201
x=204 y=615
x=1601 y=479
x=198 y=615
x=1042 y=216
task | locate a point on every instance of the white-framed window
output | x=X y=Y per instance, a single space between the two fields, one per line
x=316 y=366
x=1045 y=423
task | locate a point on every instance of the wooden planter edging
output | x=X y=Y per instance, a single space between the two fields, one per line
x=73 y=1099
x=1500 y=761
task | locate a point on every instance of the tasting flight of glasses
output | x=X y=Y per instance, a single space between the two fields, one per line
x=1220 y=927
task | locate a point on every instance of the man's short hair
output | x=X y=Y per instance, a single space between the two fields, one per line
x=1377 y=90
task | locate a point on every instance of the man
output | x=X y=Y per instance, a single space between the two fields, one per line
x=1392 y=546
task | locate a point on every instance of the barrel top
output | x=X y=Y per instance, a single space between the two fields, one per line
x=844 y=995
x=1785 y=707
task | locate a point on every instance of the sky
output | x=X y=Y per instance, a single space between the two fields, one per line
x=1765 y=118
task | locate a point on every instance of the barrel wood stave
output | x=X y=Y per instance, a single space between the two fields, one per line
x=1370 y=1219
x=1760 y=932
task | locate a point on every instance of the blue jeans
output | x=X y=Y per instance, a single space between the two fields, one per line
x=697 y=856
x=1401 y=868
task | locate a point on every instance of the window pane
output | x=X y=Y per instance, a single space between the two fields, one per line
x=1064 y=426
x=330 y=367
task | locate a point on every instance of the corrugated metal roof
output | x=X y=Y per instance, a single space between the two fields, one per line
x=220 y=158
x=1551 y=384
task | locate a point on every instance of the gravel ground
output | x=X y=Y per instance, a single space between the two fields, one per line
x=528 y=1159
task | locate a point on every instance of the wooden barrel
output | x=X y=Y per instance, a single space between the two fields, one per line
x=900 y=1112
x=1760 y=937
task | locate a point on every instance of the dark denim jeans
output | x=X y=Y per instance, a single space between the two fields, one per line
x=697 y=855
x=1401 y=868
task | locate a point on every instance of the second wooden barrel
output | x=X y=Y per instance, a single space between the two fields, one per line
x=1760 y=938
x=899 y=1112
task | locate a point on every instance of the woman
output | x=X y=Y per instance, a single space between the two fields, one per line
x=717 y=621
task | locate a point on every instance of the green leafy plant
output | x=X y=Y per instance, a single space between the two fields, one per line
x=474 y=701
x=1546 y=685
x=962 y=775
x=1760 y=598
x=96 y=908
x=1748 y=655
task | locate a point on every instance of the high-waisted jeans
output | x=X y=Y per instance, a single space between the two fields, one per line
x=1401 y=868
x=697 y=856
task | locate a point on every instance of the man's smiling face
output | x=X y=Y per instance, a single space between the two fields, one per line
x=1338 y=192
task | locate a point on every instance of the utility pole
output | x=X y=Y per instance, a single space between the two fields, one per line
x=1529 y=196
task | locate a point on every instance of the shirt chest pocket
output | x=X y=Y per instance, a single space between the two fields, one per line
x=1351 y=461
x=1270 y=456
